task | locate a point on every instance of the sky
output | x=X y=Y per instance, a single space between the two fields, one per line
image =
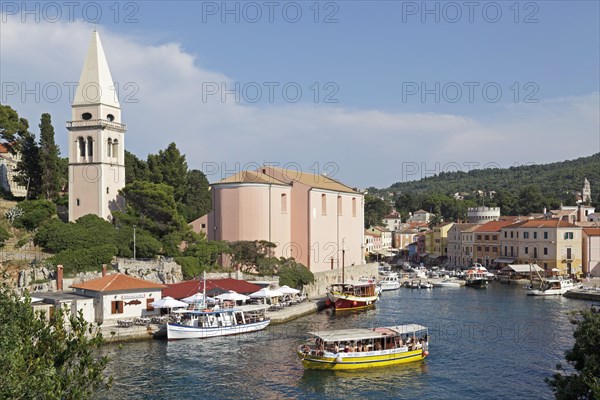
x=367 y=92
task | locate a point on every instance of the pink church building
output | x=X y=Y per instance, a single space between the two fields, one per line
x=313 y=218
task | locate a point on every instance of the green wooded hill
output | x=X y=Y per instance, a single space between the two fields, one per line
x=554 y=180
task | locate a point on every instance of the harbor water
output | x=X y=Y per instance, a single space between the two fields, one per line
x=486 y=343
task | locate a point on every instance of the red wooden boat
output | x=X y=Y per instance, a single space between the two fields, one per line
x=352 y=295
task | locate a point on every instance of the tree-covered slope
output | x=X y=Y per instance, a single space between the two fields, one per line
x=554 y=180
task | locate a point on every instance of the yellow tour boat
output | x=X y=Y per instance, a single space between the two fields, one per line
x=365 y=347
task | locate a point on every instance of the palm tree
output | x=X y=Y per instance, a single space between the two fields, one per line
x=435 y=220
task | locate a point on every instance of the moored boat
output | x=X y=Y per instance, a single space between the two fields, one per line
x=390 y=282
x=198 y=324
x=365 y=347
x=446 y=283
x=477 y=276
x=553 y=287
x=352 y=295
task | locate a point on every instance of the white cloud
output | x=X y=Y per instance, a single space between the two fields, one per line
x=369 y=146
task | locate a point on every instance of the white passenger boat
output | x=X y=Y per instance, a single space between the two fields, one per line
x=446 y=283
x=390 y=282
x=199 y=324
x=553 y=287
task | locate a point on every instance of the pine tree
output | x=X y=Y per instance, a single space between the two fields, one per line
x=169 y=167
x=29 y=172
x=197 y=201
x=49 y=160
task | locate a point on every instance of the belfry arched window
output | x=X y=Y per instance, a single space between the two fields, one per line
x=115 y=149
x=81 y=143
x=109 y=148
x=90 y=147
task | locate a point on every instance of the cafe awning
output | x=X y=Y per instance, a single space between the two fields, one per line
x=522 y=268
x=505 y=260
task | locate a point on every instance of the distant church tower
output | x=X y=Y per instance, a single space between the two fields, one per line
x=586 y=193
x=96 y=140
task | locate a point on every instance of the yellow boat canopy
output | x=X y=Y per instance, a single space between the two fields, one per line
x=366 y=333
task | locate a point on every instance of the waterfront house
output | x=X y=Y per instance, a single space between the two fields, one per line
x=460 y=246
x=486 y=249
x=551 y=243
x=120 y=296
x=591 y=251
x=440 y=240
x=312 y=218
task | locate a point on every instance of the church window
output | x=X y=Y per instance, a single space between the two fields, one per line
x=81 y=142
x=107 y=190
x=86 y=116
x=109 y=148
x=110 y=117
x=115 y=150
x=78 y=202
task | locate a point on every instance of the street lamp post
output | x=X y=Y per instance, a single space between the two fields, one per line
x=134 y=242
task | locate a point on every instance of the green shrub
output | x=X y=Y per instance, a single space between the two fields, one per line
x=35 y=213
x=4 y=236
x=294 y=274
x=81 y=260
x=190 y=266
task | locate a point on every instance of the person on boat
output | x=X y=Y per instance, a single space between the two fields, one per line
x=336 y=348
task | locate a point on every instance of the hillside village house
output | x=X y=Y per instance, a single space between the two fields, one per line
x=420 y=216
x=550 y=243
x=392 y=221
x=312 y=218
x=8 y=166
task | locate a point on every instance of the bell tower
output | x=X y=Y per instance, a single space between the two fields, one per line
x=586 y=193
x=96 y=140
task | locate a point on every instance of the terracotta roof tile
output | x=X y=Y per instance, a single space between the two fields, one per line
x=592 y=231
x=117 y=282
x=493 y=226
x=543 y=223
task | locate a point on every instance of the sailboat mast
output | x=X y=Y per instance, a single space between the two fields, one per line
x=204 y=291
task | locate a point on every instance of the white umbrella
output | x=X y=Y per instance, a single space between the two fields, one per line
x=288 y=290
x=197 y=298
x=266 y=293
x=232 y=296
x=168 y=302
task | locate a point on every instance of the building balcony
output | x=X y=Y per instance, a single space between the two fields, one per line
x=96 y=123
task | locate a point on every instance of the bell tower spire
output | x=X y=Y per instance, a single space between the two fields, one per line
x=96 y=140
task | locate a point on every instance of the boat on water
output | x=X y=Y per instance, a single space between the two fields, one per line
x=446 y=283
x=212 y=322
x=553 y=287
x=390 y=282
x=358 y=348
x=477 y=276
x=352 y=295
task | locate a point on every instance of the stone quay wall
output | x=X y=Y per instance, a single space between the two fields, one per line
x=325 y=278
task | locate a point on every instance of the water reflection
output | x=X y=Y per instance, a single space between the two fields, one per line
x=478 y=337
